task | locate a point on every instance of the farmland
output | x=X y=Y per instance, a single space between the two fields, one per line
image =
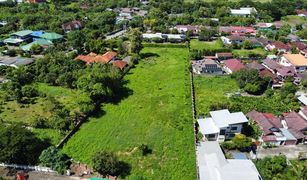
x=156 y=114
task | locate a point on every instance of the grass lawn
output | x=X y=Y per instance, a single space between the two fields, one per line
x=157 y=114
x=210 y=90
x=246 y=52
x=52 y=135
x=210 y=45
x=294 y=20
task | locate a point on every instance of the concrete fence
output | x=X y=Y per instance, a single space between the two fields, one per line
x=26 y=167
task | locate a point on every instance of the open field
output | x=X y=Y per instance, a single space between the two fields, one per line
x=244 y=53
x=210 y=45
x=210 y=90
x=232 y=0
x=157 y=114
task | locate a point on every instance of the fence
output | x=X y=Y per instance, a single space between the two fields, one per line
x=26 y=167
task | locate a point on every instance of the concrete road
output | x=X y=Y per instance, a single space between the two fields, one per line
x=290 y=151
x=120 y=33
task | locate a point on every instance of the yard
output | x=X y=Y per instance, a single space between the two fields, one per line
x=209 y=45
x=157 y=114
x=245 y=53
x=12 y=112
x=211 y=90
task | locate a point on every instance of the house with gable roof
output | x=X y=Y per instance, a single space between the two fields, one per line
x=232 y=65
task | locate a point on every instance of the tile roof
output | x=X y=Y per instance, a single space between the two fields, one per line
x=296 y=59
x=72 y=25
x=224 y=54
x=296 y=124
x=23 y=33
x=280 y=45
x=234 y=64
x=92 y=57
x=299 y=45
x=51 y=36
x=120 y=64
x=255 y=65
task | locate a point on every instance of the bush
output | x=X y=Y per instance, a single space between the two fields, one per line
x=106 y=163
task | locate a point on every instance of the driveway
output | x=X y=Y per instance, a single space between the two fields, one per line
x=120 y=33
x=290 y=151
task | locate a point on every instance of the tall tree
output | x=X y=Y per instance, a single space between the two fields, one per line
x=136 y=41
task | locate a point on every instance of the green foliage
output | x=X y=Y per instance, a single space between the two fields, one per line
x=136 y=41
x=106 y=163
x=272 y=167
x=76 y=39
x=36 y=49
x=240 y=141
x=302 y=33
x=18 y=145
x=55 y=159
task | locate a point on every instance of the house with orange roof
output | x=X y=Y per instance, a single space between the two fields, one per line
x=93 y=57
x=120 y=64
x=296 y=60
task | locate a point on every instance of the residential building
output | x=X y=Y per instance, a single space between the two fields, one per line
x=53 y=37
x=272 y=129
x=296 y=60
x=72 y=25
x=243 y=12
x=293 y=38
x=3 y=23
x=303 y=99
x=297 y=125
x=237 y=30
x=212 y=164
x=19 y=37
x=92 y=57
x=41 y=42
x=222 y=125
x=120 y=64
x=164 y=37
x=280 y=46
x=186 y=28
x=223 y=56
x=299 y=45
x=304 y=52
x=301 y=13
x=255 y=65
x=206 y=66
x=15 y=61
x=264 y=26
x=234 y=39
x=232 y=65
x=36 y=1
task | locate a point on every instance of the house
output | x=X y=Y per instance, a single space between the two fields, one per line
x=3 y=23
x=127 y=59
x=72 y=25
x=296 y=60
x=175 y=37
x=301 y=13
x=233 y=39
x=293 y=38
x=282 y=72
x=206 y=66
x=297 y=125
x=303 y=99
x=223 y=56
x=53 y=37
x=92 y=57
x=303 y=110
x=272 y=129
x=233 y=65
x=150 y=36
x=186 y=28
x=120 y=64
x=36 y=35
x=280 y=46
x=237 y=30
x=159 y=37
x=255 y=65
x=263 y=41
x=36 y=1
x=212 y=164
x=264 y=26
x=41 y=42
x=222 y=125
x=19 y=37
x=243 y=12
x=304 y=52
x=300 y=46
x=15 y=61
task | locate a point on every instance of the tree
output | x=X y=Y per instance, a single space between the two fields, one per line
x=55 y=159
x=136 y=41
x=19 y=145
x=36 y=49
x=76 y=39
x=247 y=44
x=272 y=167
x=106 y=163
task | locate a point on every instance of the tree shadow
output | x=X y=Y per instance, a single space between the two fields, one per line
x=124 y=169
x=121 y=93
x=149 y=54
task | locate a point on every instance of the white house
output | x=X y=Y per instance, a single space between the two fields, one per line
x=222 y=125
x=212 y=164
x=243 y=12
x=296 y=60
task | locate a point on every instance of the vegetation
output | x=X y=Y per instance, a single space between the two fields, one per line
x=18 y=145
x=240 y=141
x=156 y=113
x=55 y=159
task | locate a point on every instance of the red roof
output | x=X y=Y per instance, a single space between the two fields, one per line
x=120 y=64
x=269 y=138
x=92 y=57
x=281 y=45
x=301 y=12
x=234 y=65
x=265 y=121
x=299 y=45
x=296 y=124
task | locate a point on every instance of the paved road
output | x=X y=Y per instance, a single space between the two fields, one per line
x=290 y=151
x=120 y=33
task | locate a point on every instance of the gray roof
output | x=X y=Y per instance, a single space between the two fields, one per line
x=287 y=134
x=15 y=61
x=303 y=99
x=213 y=165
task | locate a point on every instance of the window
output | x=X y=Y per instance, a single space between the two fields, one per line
x=234 y=128
x=222 y=132
x=211 y=136
x=231 y=135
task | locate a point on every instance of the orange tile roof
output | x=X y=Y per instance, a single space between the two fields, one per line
x=120 y=64
x=93 y=57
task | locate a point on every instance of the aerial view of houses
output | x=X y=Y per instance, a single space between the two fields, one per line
x=153 y=89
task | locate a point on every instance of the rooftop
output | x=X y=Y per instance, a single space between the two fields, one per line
x=296 y=59
x=23 y=33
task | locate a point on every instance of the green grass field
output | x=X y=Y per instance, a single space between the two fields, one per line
x=200 y=45
x=157 y=114
x=243 y=53
x=210 y=90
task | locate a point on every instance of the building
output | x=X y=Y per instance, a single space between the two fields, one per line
x=72 y=25
x=223 y=56
x=36 y=1
x=41 y=42
x=120 y=64
x=19 y=37
x=53 y=37
x=296 y=60
x=297 y=125
x=15 y=61
x=212 y=164
x=3 y=23
x=186 y=28
x=206 y=66
x=301 y=13
x=243 y=12
x=279 y=46
x=159 y=37
x=272 y=129
x=222 y=125
x=233 y=39
x=233 y=65
x=107 y=57
x=237 y=30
